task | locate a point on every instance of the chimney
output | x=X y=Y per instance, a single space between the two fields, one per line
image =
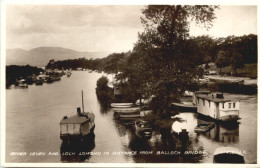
x=78 y=111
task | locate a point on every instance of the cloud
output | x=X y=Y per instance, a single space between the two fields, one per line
x=81 y=27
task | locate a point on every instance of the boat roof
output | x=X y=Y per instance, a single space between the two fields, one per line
x=214 y=99
x=227 y=150
x=75 y=119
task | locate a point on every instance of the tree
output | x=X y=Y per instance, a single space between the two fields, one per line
x=222 y=60
x=166 y=60
x=237 y=61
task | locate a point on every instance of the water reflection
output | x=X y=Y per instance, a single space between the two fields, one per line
x=77 y=151
x=224 y=133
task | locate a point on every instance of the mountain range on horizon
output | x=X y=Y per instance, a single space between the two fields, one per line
x=40 y=56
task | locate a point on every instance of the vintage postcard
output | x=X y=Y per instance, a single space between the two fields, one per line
x=129 y=85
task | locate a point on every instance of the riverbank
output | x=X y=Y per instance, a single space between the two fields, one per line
x=229 y=84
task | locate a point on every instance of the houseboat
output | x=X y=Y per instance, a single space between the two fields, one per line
x=216 y=106
x=77 y=127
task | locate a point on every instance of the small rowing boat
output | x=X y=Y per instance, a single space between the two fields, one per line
x=121 y=105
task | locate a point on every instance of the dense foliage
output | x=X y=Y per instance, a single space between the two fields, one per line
x=165 y=62
x=205 y=47
x=15 y=72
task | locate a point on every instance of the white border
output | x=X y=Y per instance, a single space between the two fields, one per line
x=110 y=2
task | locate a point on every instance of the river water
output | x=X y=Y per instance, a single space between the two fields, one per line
x=32 y=129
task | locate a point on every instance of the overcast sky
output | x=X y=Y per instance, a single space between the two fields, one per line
x=103 y=28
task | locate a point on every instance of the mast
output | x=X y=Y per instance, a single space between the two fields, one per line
x=82 y=101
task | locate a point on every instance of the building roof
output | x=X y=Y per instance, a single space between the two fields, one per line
x=213 y=98
x=75 y=119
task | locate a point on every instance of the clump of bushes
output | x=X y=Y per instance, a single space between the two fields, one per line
x=104 y=92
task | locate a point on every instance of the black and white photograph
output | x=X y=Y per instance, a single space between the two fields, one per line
x=141 y=84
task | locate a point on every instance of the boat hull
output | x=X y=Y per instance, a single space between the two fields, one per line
x=202 y=128
x=121 y=105
x=184 y=107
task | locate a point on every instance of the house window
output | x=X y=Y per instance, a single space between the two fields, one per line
x=229 y=105
x=234 y=105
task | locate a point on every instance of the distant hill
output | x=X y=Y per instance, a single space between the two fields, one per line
x=40 y=56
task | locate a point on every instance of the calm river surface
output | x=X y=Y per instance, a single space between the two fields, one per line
x=33 y=116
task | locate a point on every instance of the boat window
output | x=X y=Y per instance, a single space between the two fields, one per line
x=229 y=105
x=234 y=105
x=223 y=105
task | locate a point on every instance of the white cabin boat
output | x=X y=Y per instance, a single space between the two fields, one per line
x=216 y=106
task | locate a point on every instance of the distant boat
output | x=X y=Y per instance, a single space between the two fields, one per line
x=143 y=129
x=228 y=155
x=121 y=105
x=204 y=127
x=49 y=79
x=22 y=83
x=39 y=81
x=79 y=69
x=78 y=126
x=68 y=73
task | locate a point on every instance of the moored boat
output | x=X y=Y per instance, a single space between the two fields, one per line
x=184 y=107
x=228 y=155
x=217 y=107
x=68 y=73
x=204 y=127
x=22 y=83
x=78 y=126
x=129 y=116
x=127 y=110
x=39 y=81
x=143 y=129
x=121 y=105
x=145 y=112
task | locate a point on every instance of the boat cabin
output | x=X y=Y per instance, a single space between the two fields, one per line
x=78 y=125
x=216 y=106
